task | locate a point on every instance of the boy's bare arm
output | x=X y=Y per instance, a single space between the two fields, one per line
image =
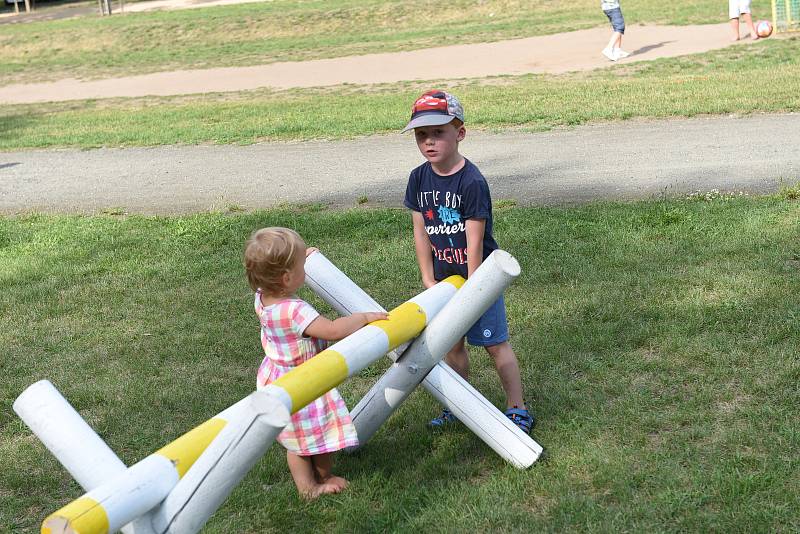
x=422 y=247
x=475 y=231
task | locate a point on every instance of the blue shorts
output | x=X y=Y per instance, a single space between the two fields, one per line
x=616 y=18
x=491 y=328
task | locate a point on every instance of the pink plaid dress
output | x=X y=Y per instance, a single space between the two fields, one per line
x=324 y=425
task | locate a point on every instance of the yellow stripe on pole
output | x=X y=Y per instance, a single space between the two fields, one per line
x=185 y=450
x=455 y=280
x=405 y=322
x=314 y=378
x=81 y=515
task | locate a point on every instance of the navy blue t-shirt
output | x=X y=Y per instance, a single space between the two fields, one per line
x=446 y=202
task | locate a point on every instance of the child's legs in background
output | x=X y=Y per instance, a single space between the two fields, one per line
x=748 y=20
x=618 y=27
x=615 y=41
x=741 y=8
x=735 y=29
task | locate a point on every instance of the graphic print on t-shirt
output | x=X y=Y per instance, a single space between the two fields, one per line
x=446 y=202
x=445 y=221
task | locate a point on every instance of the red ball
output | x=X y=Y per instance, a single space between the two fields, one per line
x=764 y=28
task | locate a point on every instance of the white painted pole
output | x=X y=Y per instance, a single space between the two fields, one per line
x=335 y=288
x=221 y=467
x=343 y=359
x=447 y=386
x=141 y=487
x=118 y=502
x=482 y=417
x=482 y=289
x=84 y=454
x=341 y=293
x=61 y=429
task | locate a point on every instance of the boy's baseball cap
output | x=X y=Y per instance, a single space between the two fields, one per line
x=434 y=108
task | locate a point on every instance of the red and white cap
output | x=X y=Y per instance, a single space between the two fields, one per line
x=434 y=108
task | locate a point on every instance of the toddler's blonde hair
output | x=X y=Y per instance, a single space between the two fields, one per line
x=268 y=254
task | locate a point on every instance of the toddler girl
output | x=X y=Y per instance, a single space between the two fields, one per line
x=292 y=331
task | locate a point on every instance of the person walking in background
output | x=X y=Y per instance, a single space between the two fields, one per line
x=737 y=8
x=613 y=11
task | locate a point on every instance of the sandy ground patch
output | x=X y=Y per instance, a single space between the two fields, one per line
x=572 y=51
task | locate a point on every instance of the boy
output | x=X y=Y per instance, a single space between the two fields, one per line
x=735 y=9
x=452 y=217
x=613 y=50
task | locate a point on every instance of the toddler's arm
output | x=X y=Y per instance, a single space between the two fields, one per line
x=324 y=328
x=422 y=246
x=475 y=231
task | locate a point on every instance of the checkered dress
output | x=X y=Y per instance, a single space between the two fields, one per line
x=324 y=425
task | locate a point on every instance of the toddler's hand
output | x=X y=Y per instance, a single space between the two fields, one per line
x=375 y=316
x=311 y=250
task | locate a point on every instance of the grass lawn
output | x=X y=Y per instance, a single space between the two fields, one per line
x=658 y=342
x=288 y=30
x=722 y=81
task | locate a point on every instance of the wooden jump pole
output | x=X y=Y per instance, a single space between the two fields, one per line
x=132 y=493
x=482 y=289
x=53 y=420
x=68 y=437
x=450 y=389
x=220 y=468
x=144 y=485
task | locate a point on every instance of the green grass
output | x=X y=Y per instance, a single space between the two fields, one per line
x=288 y=30
x=658 y=344
x=764 y=77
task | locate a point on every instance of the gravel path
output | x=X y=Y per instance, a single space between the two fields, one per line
x=624 y=160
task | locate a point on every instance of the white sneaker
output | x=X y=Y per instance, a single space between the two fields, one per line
x=609 y=54
x=621 y=53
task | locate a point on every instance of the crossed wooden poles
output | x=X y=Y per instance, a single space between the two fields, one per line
x=178 y=488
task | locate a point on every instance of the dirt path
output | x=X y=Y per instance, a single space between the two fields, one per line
x=573 y=51
x=612 y=161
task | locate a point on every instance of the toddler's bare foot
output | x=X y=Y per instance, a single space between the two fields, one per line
x=318 y=490
x=339 y=482
x=735 y=38
x=754 y=37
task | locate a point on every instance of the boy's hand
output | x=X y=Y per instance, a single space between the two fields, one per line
x=311 y=250
x=375 y=316
x=428 y=283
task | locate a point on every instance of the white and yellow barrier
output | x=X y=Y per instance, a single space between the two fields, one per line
x=453 y=392
x=146 y=484
x=133 y=492
x=329 y=368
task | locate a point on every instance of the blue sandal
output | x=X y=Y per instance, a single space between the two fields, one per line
x=447 y=418
x=522 y=418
